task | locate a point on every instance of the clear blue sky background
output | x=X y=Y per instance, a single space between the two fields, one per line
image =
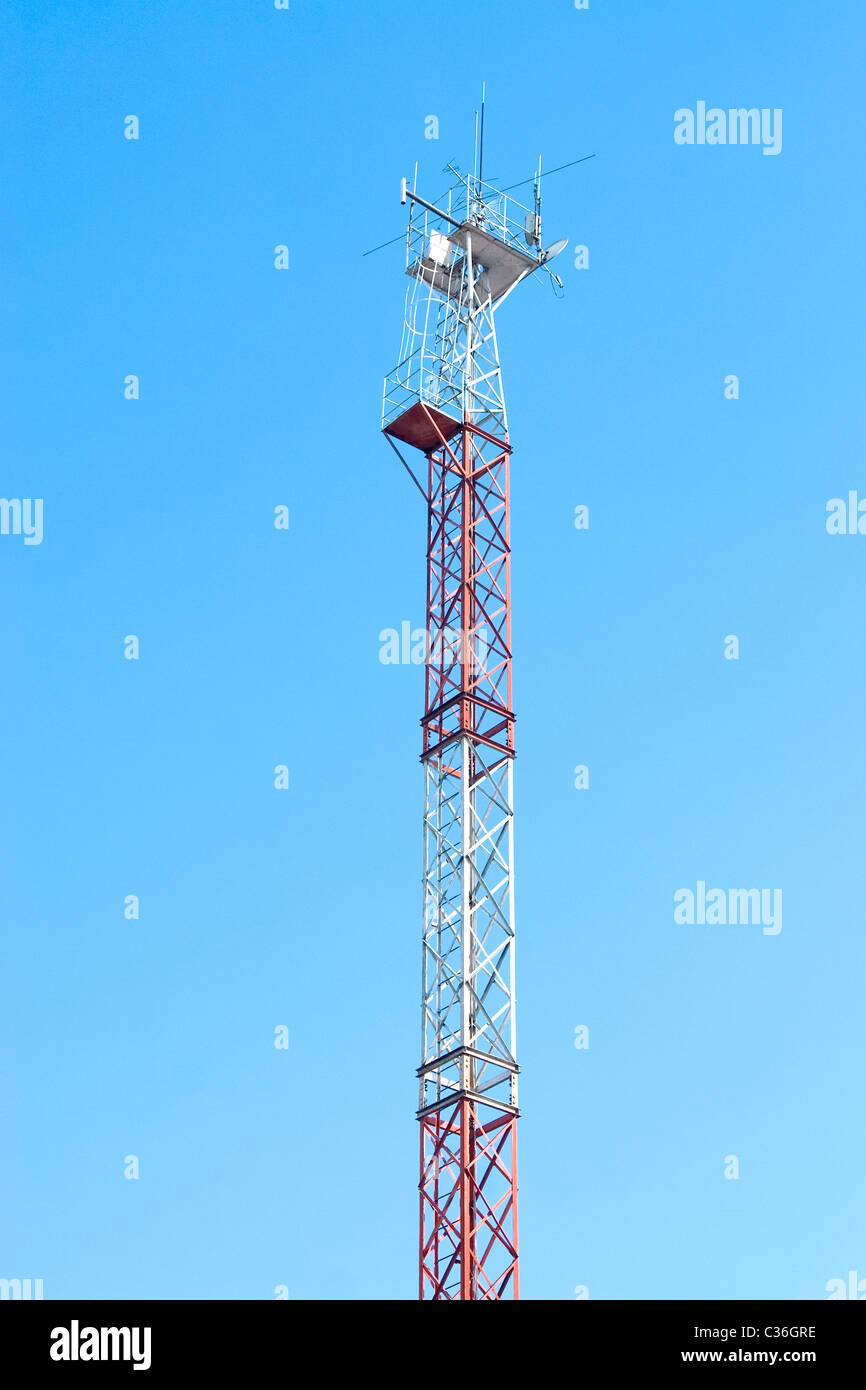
x=258 y=647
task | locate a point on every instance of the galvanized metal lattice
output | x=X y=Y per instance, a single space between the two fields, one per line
x=445 y=399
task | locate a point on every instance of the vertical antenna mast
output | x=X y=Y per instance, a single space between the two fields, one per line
x=445 y=400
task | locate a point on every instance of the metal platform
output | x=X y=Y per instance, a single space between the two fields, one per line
x=423 y=427
x=502 y=264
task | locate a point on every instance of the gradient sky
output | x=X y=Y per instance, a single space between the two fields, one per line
x=260 y=647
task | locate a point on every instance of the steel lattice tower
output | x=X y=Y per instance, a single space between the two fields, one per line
x=445 y=399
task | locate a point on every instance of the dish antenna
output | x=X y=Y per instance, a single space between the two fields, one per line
x=554 y=250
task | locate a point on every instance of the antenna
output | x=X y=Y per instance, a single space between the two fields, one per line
x=554 y=250
x=532 y=221
x=535 y=180
x=481 y=153
x=558 y=170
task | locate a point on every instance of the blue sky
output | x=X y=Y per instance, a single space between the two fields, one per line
x=260 y=647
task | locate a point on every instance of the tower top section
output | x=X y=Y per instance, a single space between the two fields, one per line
x=478 y=227
x=465 y=254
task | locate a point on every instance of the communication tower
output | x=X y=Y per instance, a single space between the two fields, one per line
x=465 y=255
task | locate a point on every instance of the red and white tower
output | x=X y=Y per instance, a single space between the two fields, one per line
x=464 y=258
